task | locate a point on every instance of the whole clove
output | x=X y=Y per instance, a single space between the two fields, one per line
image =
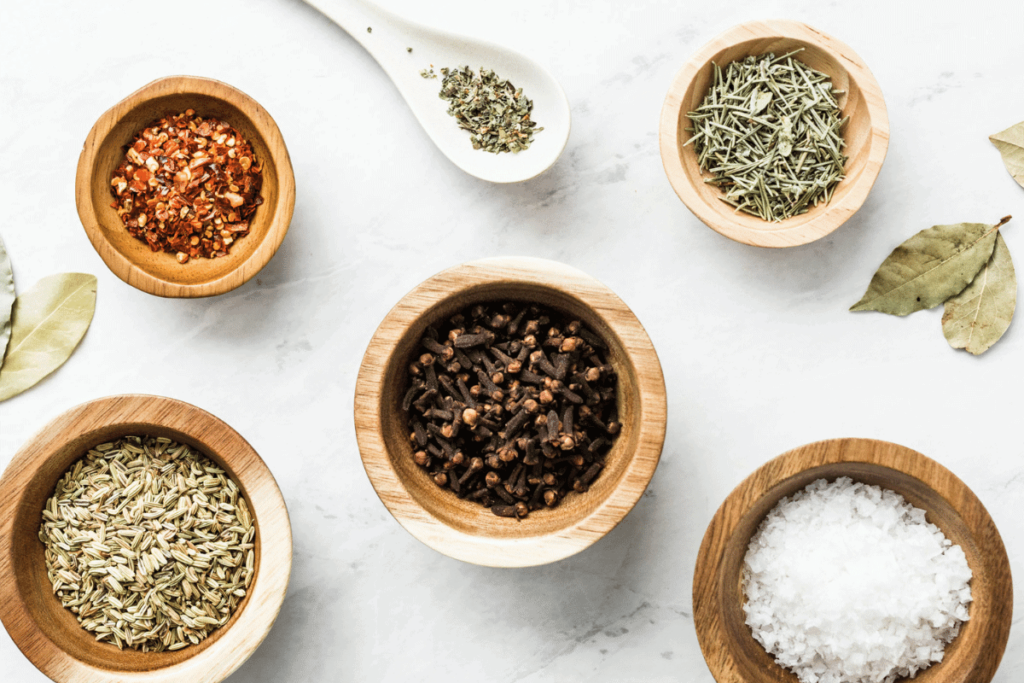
x=512 y=406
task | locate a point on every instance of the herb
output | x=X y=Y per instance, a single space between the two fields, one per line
x=977 y=317
x=428 y=73
x=1010 y=144
x=768 y=131
x=6 y=299
x=148 y=543
x=369 y=29
x=967 y=266
x=494 y=111
x=929 y=268
x=500 y=417
x=48 y=321
x=408 y=49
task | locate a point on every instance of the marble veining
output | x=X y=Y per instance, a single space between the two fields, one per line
x=759 y=351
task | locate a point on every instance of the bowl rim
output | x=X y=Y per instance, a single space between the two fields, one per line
x=487 y=550
x=963 y=501
x=266 y=596
x=835 y=213
x=125 y=268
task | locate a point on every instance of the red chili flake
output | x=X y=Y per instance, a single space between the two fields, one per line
x=188 y=186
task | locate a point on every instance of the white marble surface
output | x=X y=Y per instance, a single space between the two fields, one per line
x=759 y=351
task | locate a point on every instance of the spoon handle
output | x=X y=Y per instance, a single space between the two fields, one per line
x=384 y=40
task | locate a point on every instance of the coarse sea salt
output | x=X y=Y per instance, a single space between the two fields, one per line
x=849 y=583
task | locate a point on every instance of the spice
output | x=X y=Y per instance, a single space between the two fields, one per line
x=188 y=186
x=494 y=111
x=148 y=543
x=768 y=131
x=512 y=406
x=849 y=583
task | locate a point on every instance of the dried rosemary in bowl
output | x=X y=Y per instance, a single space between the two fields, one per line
x=512 y=406
x=149 y=544
x=768 y=132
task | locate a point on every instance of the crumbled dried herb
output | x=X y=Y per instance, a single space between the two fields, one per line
x=512 y=406
x=494 y=111
x=768 y=132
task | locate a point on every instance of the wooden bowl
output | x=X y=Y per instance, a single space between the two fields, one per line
x=866 y=133
x=729 y=648
x=47 y=633
x=463 y=529
x=159 y=272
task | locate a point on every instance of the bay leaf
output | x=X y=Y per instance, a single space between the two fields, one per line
x=48 y=322
x=1010 y=144
x=977 y=317
x=930 y=267
x=6 y=299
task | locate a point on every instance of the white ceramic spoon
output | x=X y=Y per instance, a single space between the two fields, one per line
x=389 y=42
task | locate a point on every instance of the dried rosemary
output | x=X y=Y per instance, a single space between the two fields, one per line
x=769 y=133
x=494 y=111
x=148 y=543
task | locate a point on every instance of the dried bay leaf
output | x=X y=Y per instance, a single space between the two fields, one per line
x=48 y=322
x=6 y=299
x=977 y=317
x=930 y=267
x=1010 y=144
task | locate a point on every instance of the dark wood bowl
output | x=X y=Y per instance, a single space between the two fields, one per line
x=728 y=645
x=463 y=529
x=46 y=632
x=158 y=272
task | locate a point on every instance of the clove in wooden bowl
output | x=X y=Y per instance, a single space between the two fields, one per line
x=728 y=645
x=866 y=133
x=46 y=632
x=158 y=272
x=463 y=529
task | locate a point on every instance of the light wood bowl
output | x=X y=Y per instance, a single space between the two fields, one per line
x=463 y=529
x=158 y=272
x=728 y=645
x=866 y=133
x=47 y=633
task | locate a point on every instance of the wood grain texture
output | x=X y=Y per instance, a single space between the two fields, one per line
x=463 y=529
x=729 y=648
x=866 y=134
x=160 y=273
x=46 y=632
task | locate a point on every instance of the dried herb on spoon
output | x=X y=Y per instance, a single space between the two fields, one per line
x=495 y=112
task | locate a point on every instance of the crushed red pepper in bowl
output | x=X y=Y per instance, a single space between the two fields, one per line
x=188 y=186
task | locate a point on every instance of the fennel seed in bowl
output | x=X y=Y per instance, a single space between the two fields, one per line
x=148 y=543
x=769 y=133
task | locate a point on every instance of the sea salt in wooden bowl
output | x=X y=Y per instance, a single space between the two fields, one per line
x=463 y=529
x=728 y=645
x=158 y=272
x=866 y=133
x=46 y=632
